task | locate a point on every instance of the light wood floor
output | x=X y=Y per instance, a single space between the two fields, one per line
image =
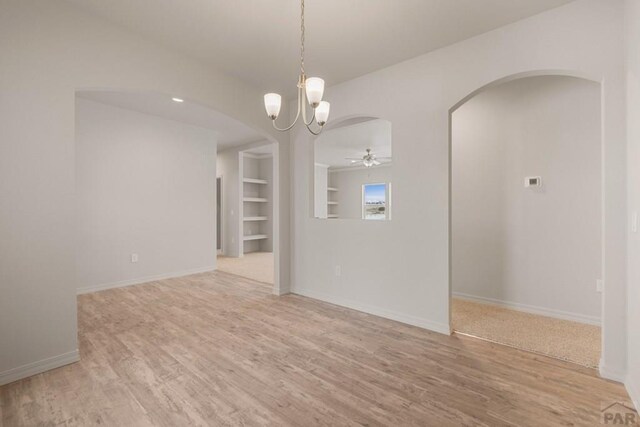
x=216 y=349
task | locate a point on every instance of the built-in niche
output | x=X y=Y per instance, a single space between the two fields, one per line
x=257 y=202
x=353 y=171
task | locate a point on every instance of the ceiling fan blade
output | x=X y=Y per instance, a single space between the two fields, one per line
x=383 y=158
x=376 y=162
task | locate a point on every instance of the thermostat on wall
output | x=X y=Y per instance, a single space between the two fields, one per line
x=533 y=181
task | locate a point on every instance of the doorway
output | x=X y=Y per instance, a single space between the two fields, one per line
x=526 y=217
x=252 y=250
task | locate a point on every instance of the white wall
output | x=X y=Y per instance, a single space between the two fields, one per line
x=50 y=49
x=349 y=184
x=632 y=15
x=145 y=185
x=583 y=37
x=533 y=248
x=320 y=185
x=227 y=167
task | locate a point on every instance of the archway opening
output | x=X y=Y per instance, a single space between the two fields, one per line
x=148 y=180
x=526 y=216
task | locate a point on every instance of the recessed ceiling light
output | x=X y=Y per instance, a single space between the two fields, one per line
x=177 y=99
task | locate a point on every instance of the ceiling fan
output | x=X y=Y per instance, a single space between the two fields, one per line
x=369 y=159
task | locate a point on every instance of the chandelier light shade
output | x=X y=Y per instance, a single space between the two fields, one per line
x=272 y=103
x=315 y=89
x=309 y=89
x=322 y=112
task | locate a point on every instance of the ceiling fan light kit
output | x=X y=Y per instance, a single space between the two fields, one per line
x=310 y=89
x=368 y=160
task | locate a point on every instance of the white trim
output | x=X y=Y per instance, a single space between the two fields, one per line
x=634 y=392
x=543 y=311
x=258 y=156
x=38 y=367
x=610 y=373
x=420 y=322
x=141 y=280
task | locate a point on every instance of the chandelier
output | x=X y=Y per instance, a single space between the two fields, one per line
x=309 y=89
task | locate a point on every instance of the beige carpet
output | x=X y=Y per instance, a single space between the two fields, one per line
x=562 y=339
x=255 y=265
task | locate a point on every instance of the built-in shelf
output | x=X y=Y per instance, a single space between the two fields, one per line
x=255 y=218
x=255 y=199
x=255 y=237
x=332 y=203
x=255 y=181
x=332 y=216
x=332 y=189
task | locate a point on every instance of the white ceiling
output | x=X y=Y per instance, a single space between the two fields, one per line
x=333 y=146
x=230 y=131
x=257 y=40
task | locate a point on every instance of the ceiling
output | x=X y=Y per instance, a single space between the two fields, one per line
x=258 y=40
x=261 y=150
x=230 y=131
x=333 y=146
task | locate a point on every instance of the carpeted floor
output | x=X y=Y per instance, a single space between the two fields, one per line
x=562 y=339
x=255 y=265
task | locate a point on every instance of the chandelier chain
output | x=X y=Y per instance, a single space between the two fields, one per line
x=302 y=37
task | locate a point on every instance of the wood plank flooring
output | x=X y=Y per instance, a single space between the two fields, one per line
x=216 y=349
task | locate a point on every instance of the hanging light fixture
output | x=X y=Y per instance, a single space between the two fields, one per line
x=309 y=89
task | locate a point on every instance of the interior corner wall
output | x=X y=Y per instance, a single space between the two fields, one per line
x=145 y=185
x=400 y=268
x=537 y=248
x=632 y=15
x=51 y=49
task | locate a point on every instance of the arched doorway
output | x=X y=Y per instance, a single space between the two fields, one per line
x=526 y=222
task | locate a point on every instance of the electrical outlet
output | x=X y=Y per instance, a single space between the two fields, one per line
x=338 y=271
x=134 y=257
x=599 y=285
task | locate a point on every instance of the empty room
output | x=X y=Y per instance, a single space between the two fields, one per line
x=306 y=212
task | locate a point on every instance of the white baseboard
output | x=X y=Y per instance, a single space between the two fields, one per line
x=140 y=280
x=38 y=367
x=543 y=311
x=377 y=311
x=611 y=373
x=634 y=392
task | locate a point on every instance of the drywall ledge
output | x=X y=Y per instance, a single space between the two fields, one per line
x=376 y=311
x=38 y=367
x=556 y=314
x=141 y=280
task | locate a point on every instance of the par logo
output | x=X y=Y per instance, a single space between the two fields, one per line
x=619 y=414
